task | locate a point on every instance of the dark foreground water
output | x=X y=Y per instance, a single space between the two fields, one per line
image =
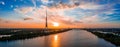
x=72 y=38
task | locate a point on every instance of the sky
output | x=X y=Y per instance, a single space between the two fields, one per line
x=68 y=13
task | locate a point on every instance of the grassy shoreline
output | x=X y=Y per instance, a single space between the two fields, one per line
x=26 y=34
x=109 y=37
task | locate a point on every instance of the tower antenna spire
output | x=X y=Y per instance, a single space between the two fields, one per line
x=46 y=23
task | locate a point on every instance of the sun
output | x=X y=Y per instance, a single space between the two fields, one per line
x=55 y=24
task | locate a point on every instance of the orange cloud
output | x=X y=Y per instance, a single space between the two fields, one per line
x=28 y=19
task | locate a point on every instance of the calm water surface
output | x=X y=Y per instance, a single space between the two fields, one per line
x=72 y=38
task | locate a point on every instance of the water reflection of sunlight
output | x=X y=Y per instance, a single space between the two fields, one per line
x=56 y=37
x=55 y=41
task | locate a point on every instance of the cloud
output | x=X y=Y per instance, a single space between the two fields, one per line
x=3 y=3
x=44 y=1
x=24 y=10
x=55 y=13
x=28 y=19
x=30 y=13
x=63 y=19
x=94 y=18
x=0 y=19
x=67 y=13
x=90 y=6
x=77 y=4
x=34 y=2
x=4 y=21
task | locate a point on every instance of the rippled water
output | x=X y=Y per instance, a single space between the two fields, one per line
x=72 y=38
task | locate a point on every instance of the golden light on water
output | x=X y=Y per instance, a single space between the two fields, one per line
x=56 y=37
x=55 y=41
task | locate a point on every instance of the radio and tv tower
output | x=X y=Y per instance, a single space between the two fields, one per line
x=46 y=20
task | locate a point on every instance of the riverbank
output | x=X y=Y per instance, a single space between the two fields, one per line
x=17 y=34
x=109 y=36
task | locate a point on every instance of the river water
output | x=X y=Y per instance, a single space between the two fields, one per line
x=72 y=38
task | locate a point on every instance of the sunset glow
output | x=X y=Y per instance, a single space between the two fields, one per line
x=55 y=24
x=71 y=13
